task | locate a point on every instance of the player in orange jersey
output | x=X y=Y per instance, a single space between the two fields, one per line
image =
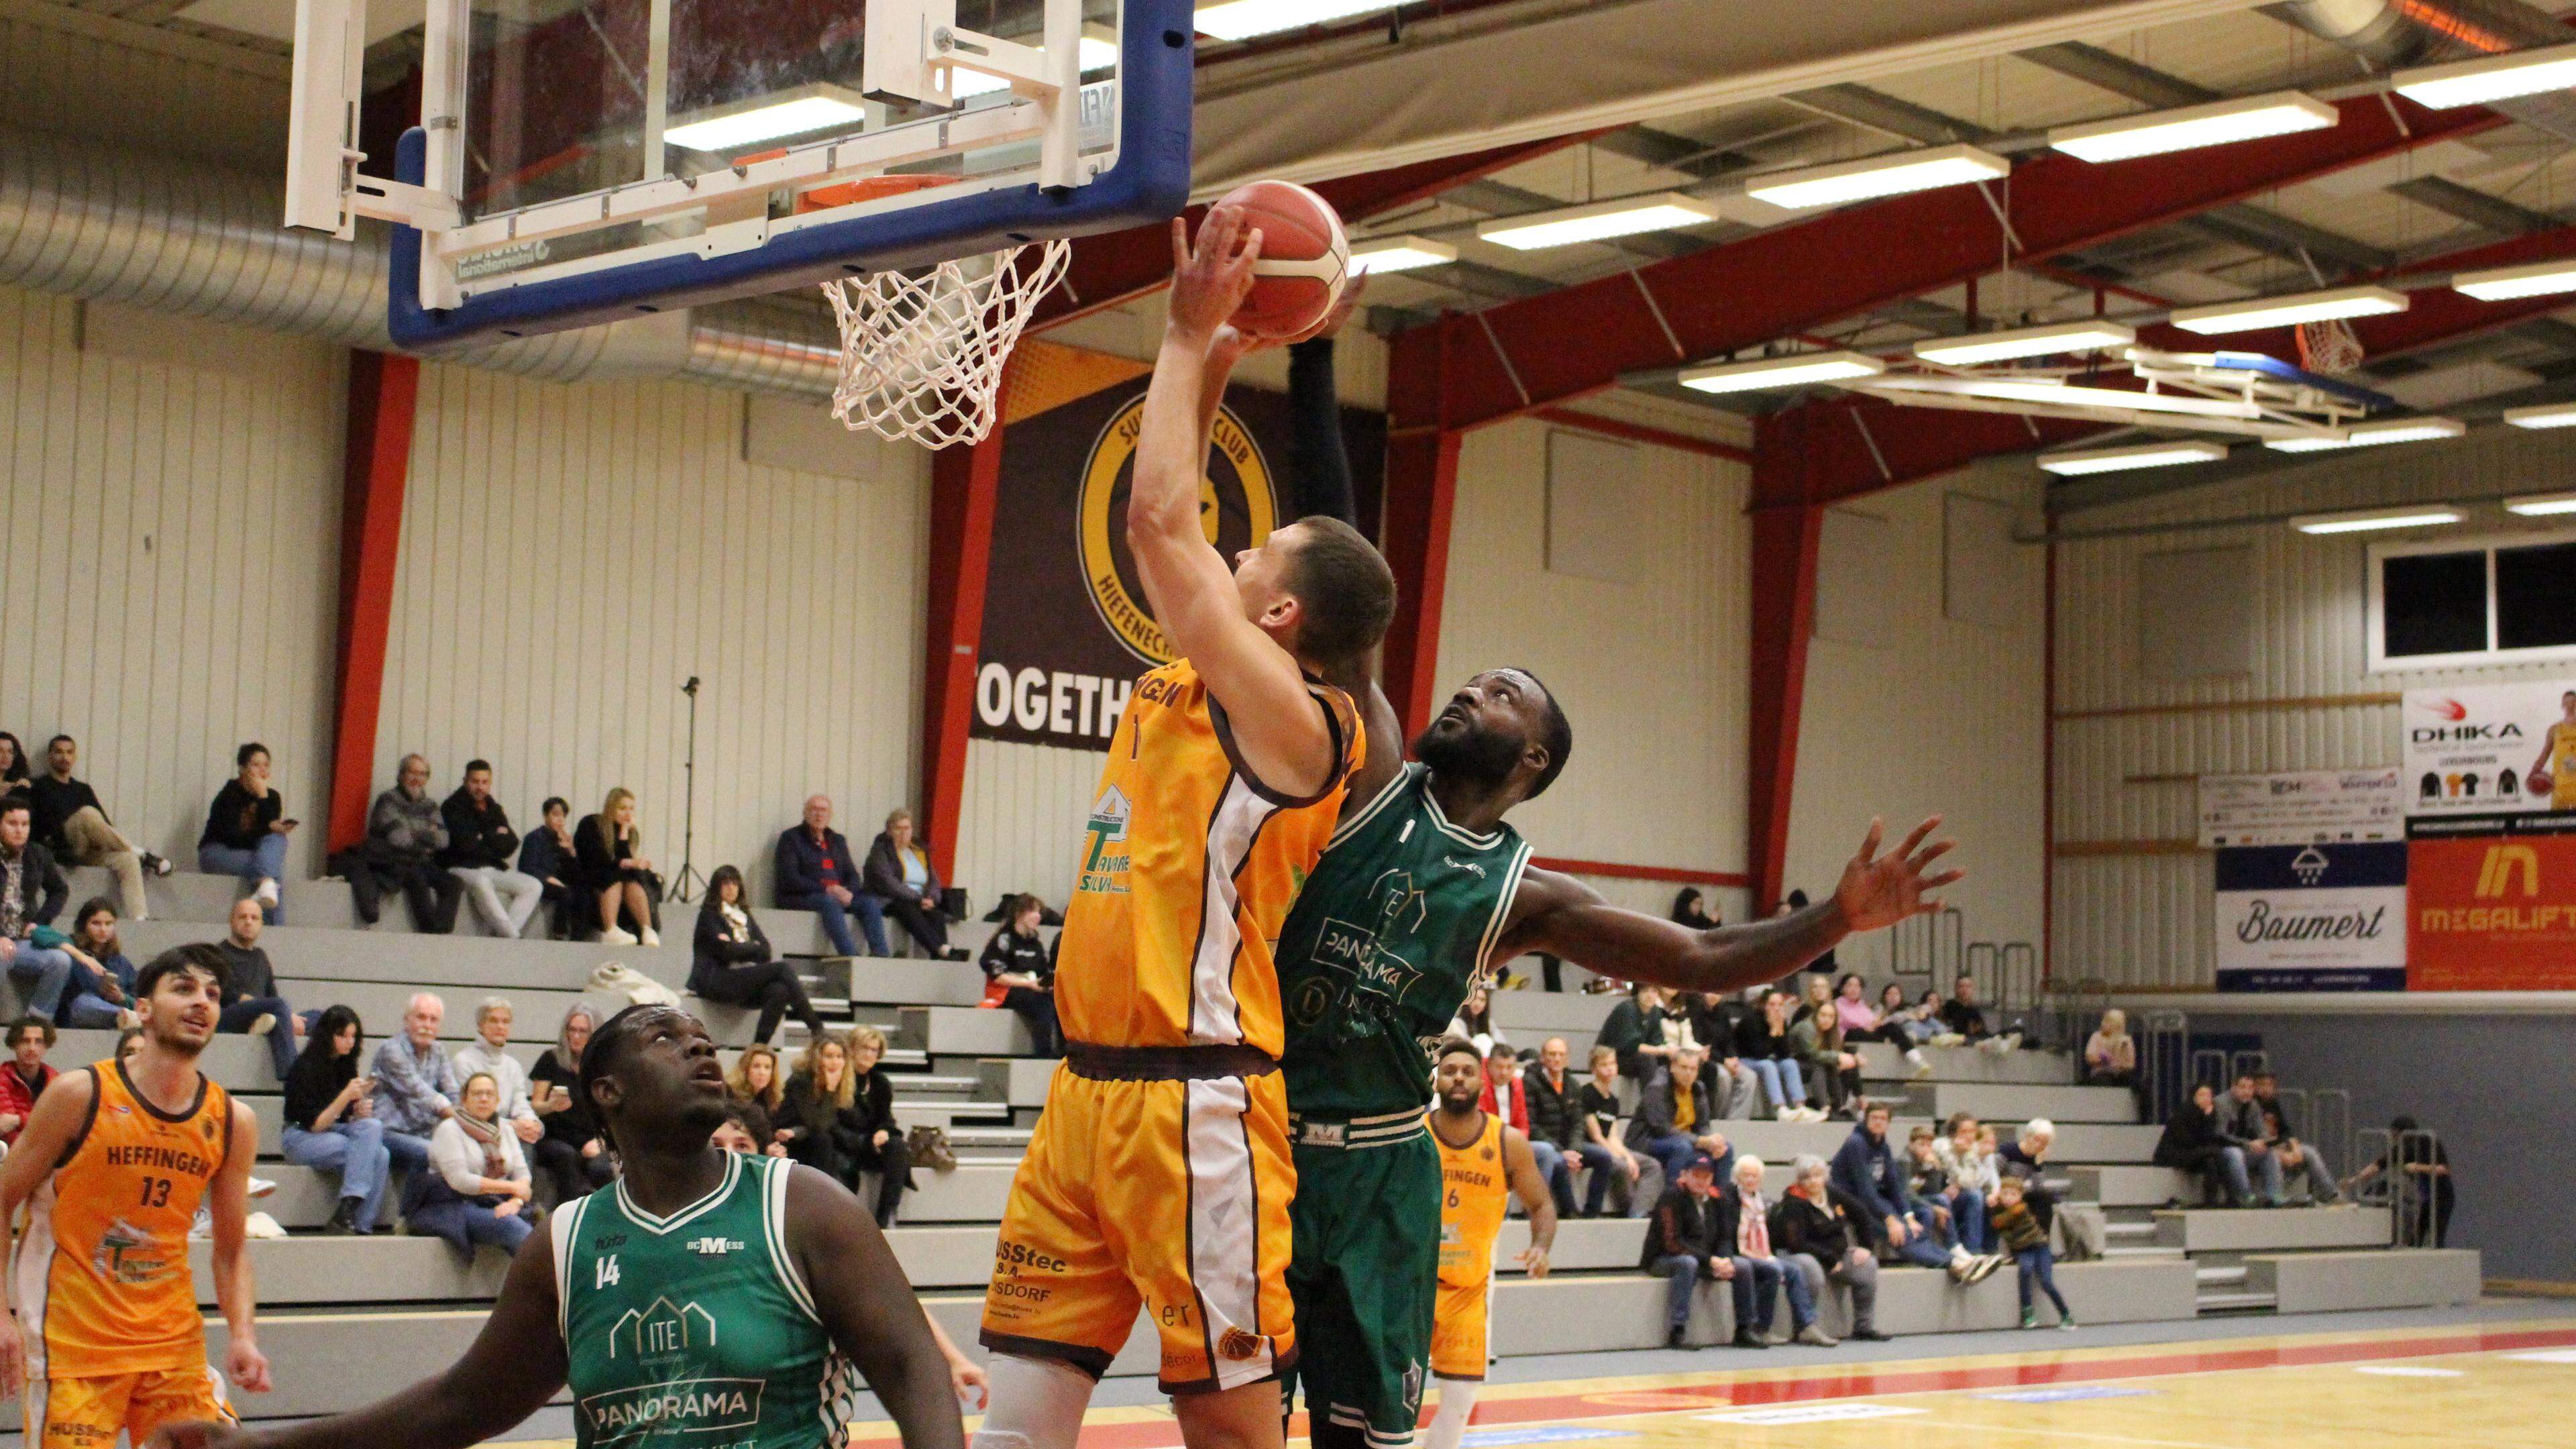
x=1159 y=1175
x=106 y=1336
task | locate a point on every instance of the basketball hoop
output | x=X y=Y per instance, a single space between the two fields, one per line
x=921 y=356
x=2329 y=347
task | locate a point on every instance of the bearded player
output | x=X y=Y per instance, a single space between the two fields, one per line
x=116 y=1157
x=1159 y=1175
x=1481 y=1156
x=1423 y=889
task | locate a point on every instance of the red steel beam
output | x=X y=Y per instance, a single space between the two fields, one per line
x=1578 y=340
x=384 y=401
x=963 y=485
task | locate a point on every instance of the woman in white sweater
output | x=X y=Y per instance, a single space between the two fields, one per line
x=1975 y=1179
x=482 y=1194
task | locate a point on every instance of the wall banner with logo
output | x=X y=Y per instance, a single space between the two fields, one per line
x=1066 y=627
x=2492 y=912
x=2307 y=807
x=2312 y=917
x=2491 y=750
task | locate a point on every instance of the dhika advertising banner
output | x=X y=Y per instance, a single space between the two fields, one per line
x=2491 y=750
x=2312 y=917
x=1066 y=626
x=2493 y=912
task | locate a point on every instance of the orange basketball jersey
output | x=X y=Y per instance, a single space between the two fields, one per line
x=101 y=1279
x=1188 y=868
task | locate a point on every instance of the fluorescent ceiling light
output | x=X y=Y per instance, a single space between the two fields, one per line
x=2284 y=311
x=1624 y=216
x=2371 y=435
x=2545 y=415
x=1400 y=254
x=1240 y=19
x=2215 y=124
x=2135 y=455
x=1790 y=371
x=2372 y=520
x=1889 y=175
x=1098 y=53
x=2489 y=78
x=789 y=113
x=2503 y=284
x=1978 y=347
x=2541 y=505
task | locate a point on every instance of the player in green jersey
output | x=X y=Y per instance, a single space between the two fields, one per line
x=1424 y=889
x=706 y=1300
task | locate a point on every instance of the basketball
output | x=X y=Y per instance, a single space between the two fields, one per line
x=1304 y=259
x=2542 y=782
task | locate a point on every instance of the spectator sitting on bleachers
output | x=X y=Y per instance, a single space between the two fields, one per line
x=612 y=871
x=1762 y=1044
x=2190 y=1143
x=1556 y=1118
x=1675 y=1120
x=101 y=993
x=2297 y=1156
x=1822 y=1234
x=1507 y=1095
x=1901 y=1225
x=744 y=1128
x=573 y=1154
x=2246 y=1135
x=26 y=1076
x=489 y=1053
x=480 y=844
x=756 y=1082
x=2110 y=1053
x=331 y=1122
x=1926 y=1180
x=1689 y=1241
x=416 y=1084
x=1911 y=1022
x=2026 y=1237
x=547 y=858
x=730 y=961
x=1753 y=1245
x=1599 y=1101
x=1475 y=1019
x=1689 y=911
x=1964 y=1019
x=31 y=895
x=1832 y=1072
x=1710 y=1021
x=2026 y=1157
x=815 y=1116
x=1975 y=1176
x=1019 y=973
x=72 y=824
x=479 y=1190
x=879 y=1144
x=899 y=876
x=246 y=830
x=405 y=835
x=2420 y=1183
x=1635 y=1030
x=814 y=872
x=1863 y=1022
x=251 y=1002
x=13 y=765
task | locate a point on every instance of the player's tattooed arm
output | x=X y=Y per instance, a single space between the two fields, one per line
x=514 y=1367
x=54 y=1124
x=1562 y=916
x=869 y=1309
x=1522 y=1164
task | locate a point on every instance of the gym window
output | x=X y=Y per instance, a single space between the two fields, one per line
x=2473 y=601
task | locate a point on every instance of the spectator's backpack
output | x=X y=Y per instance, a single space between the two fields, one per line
x=929 y=1147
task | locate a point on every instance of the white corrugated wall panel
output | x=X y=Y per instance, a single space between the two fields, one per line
x=1934 y=716
x=1650 y=670
x=571 y=554
x=2143 y=919
x=1019 y=824
x=170 y=582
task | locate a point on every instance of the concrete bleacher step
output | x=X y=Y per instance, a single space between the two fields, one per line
x=329 y=1361
x=1882 y=1062
x=2235 y=1301
x=2201 y=1230
x=2332 y=1281
x=966 y=1031
x=2019 y=1102
x=2105 y=1142
x=892 y=982
x=2133 y=1186
x=952 y=1117
x=2210 y=1278
x=385 y=1268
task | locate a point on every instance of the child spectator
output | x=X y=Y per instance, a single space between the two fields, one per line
x=1600 y=1105
x=1019 y=973
x=2021 y=1232
x=1762 y=1044
x=1975 y=1176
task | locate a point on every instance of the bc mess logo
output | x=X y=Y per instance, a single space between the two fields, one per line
x=1236 y=507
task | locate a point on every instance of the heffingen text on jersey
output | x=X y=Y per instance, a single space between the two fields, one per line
x=165 y=1159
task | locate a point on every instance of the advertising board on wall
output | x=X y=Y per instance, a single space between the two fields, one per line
x=2491 y=750
x=2311 y=879
x=2491 y=837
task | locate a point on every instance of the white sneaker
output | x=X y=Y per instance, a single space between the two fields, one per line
x=266 y=895
x=652 y=937
x=1790 y=1114
x=1922 y=1067
x=263 y=1024
x=615 y=937
x=261 y=1187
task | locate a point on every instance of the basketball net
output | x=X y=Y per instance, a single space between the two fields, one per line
x=2329 y=347
x=921 y=356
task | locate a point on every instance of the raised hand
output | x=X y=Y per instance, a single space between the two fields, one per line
x=1878 y=891
x=1211 y=278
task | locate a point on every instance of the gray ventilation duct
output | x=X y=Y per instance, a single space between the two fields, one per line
x=88 y=221
x=2394 y=33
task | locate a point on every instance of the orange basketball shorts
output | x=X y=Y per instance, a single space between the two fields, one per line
x=1169 y=1195
x=88 y=1413
x=1458 y=1330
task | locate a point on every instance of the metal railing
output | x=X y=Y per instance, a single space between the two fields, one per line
x=2411 y=1165
x=1930 y=946
x=2164 y=1061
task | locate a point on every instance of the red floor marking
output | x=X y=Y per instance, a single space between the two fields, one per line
x=1856 y=1382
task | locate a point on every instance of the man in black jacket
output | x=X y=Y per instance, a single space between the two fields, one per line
x=480 y=844
x=815 y=873
x=1556 y=1118
x=73 y=826
x=2246 y=1135
x=1691 y=1240
x=1677 y=1119
x=32 y=891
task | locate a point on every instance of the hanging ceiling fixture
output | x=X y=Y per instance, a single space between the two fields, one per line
x=2372 y=435
x=1893 y=174
x=2245 y=119
x=2089 y=335
x=2255 y=313
x=1790 y=371
x=1595 y=221
x=2504 y=284
x=1399 y=254
x=2489 y=78
x=2372 y=520
x=2077 y=462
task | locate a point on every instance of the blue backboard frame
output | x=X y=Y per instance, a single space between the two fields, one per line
x=1149 y=183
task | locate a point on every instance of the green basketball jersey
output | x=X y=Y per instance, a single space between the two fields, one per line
x=696 y=1330
x=1379 y=952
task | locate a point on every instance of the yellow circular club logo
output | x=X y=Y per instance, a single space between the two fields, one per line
x=1236 y=507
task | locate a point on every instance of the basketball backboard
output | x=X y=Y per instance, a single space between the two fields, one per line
x=580 y=161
